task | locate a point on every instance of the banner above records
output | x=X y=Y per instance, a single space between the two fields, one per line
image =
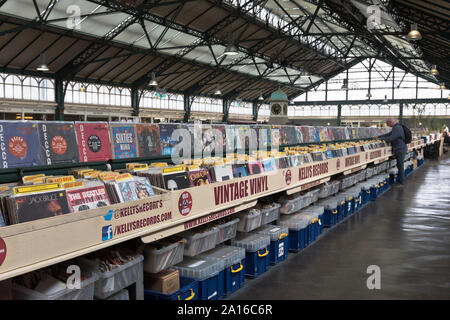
x=36 y=143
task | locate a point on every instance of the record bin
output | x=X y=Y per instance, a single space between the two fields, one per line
x=330 y=215
x=86 y=292
x=234 y=264
x=257 y=258
x=248 y=220
x=227 y=229
x=298 y=226
x=113 y=281
x=208 y=273
x=162 y=254
x=279 y=242
x=199 y=239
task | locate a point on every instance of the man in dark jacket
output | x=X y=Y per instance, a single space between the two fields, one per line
x=397 y=139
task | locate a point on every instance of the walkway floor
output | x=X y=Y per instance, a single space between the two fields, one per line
x=406 y=232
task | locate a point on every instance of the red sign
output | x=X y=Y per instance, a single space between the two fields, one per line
x=18 y=146
x=185 y=203
x=2 y=251
x=59 y=145
x=338 y=164
x=288 y=177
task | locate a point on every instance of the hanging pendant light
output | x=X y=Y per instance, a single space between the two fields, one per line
x=443 y=87
x=345 y=85
x=385 y=98
x=153 y=83
x=261 y=98
x=434 y=71
x=414 y=34
x=218 y=92
x=42 y=63
x=231 y=49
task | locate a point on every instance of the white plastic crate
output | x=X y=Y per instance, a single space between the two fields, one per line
x=314 y=194
x=270 y=214
x=163 y=254
x=293 y=203
x=113 y=281
x=198 y=240
x=86 y=292
x=249 y=220
x=227 y=229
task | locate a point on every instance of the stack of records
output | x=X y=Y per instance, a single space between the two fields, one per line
x=91 y=195
x=126 y=187
x=123 y=138
x=93 y=141
x=149 y=139
x=58 y=142
x=175 y=178
x=199 y=177
x=221 y=172
x=28 y=203
x=269 y=164
x=255 y=167
x=240 y=170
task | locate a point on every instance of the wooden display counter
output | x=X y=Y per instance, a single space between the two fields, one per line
x=33 y=245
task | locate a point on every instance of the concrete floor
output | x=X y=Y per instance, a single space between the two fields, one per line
x=406 y=232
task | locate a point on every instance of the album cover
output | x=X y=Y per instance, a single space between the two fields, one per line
x=208 y=139
x=296 y=160
x=255 y=167
x=269 y=164
x=276 y=136
x=148 y=138
x=123 y=136
x=329 y=154
x=330 y=134
x=346 y=133
x=298 y=134
x=36 y=206
x=240 y=170
x=58 y=142
x=222 y=172
x=134 y=189
x=283 y=162
x=176 y=180
x=86 y=198
x=220 y=137
x=165 y=133
x=20 y=144
x=284 y=133
x=93 y=141
x=323 y=134
x=318 y=156
x=264 y=137
x=199 y=177
x=231 y=141
x=308 y=158
x=305 y=134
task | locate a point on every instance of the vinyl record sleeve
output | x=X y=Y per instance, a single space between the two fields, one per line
x=19 y=144
x=220 y=137
x=93 y=140
x=276 y=136
x=86 y=198
x=240 y=170
x=298 y=135
x=305 y=134
x=176 y=181
x=284 y=133
x=123 y=138
x=149 y=141
x=199 y=177
x=269 y=164
x=265 y=137
x=36 y=206
x=58 y=142
x=165 y=133
x=231 y=139
x=223 y=172
x=255 y=167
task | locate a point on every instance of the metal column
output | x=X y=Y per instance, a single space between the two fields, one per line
x=400 y=117
x=187 y=107
x=135 y=101
x=339 y=115
x=59 y=99
x=225 y=108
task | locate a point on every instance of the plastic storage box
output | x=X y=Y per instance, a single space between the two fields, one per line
x=328 y=189
x=314 y=194
x=292 y=203
x=257 y=259
x=365 y=193
x=86 y=292
x=121 y=295
x=163 y=254
x=330 y=215
x=298 y=226
x=269 y=213
x=234 y=265
x=315 y=214
x=357 y=196
x=199 y=240
x=249 y=220
x=347 y=182
x=208 y=273
x=342 y=206
x=189 y=290
x=279 y=242
x=113 y=281
x=227 y=229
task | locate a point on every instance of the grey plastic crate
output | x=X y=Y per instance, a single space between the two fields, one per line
x=227 y=230
x=199 y=268
x=113 y=281
x=314 y=193
x=249 y=220
x=250 y=241
x=269 y=215
x=86 y=292
x=329 y=204
x=274 y=232
x=230 y=255
x=294 y=222
x=198 y=242
x=163 y=254
x=324 y=190
x=294 y=202
x=347 y=182
x=122 y=295
x=314 y=211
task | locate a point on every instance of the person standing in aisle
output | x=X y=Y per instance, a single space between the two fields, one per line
x=397 y=139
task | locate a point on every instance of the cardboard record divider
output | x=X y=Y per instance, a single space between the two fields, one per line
x=36 y=244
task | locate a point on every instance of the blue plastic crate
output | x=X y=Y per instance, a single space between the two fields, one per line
x=256 y=263
x=374 y=192
x=234 y=277
x=330 y=217
x=279 y=250
x=314 y=231
x=342 y=211
x=188 y=291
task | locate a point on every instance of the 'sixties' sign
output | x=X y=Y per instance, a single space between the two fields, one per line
x=185 y=203
x=238 y=190
x=2 y=251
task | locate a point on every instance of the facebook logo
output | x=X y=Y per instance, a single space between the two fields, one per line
x=107 y=233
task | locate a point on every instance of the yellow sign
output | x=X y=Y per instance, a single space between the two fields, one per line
x=180 y=167
x=137 y=166
x=60 y=179
x=74 y=184
x=159 y=164
x=30 y=178
x=37 y=188
x=123 y=176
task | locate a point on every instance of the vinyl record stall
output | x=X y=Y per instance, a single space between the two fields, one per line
x=98 y=210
